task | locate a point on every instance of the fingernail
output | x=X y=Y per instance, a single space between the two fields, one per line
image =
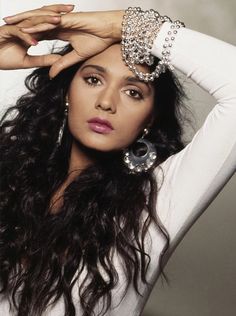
x=34 y=42
x=7 y=17
x=56 y=18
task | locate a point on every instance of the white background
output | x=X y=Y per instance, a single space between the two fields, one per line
x=203 y=268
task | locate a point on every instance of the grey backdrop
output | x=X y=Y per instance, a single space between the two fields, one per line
x=202 y=269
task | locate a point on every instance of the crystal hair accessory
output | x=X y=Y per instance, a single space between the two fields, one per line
x=139 y=29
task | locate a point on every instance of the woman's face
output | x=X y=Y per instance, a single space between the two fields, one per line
x=104 y=88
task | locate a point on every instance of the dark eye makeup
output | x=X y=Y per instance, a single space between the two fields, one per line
x=94 y=81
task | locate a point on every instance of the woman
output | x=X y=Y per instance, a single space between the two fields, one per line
x=94 y=172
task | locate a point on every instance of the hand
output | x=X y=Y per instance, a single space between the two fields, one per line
x=14 y=43
x=89 y=33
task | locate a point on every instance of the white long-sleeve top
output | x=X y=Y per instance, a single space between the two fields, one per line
x=194 y=176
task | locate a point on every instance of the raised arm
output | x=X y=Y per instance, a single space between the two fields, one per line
x=14 y=43
x=195 y=175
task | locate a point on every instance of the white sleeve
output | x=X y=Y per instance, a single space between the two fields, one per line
x=195 y=175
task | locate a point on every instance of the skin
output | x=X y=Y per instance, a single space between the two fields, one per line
x=107 y=94
x=128 y=106
x=89 y=33
x=14 y=43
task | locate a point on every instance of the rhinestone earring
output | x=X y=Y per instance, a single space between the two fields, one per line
x=143 y=162
x=61 y=131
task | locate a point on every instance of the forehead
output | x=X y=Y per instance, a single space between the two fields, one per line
x=112 y=60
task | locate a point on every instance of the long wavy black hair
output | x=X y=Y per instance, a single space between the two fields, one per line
x=41 y=251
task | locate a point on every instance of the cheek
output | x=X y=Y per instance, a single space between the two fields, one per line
x=77 y=100
x=131 y=126
x=79 y=105
x=75 y=116
x=129 y=120
x=137 y=119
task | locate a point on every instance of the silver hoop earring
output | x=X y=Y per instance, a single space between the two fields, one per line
x=61 y=130
x=143 y=162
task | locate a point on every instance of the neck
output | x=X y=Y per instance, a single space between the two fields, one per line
x=80 y=158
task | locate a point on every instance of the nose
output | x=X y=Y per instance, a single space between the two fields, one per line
x=106 y=100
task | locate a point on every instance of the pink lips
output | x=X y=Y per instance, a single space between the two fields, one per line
x=100 y=126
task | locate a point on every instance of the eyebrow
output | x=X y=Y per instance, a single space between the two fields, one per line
x=128 y=78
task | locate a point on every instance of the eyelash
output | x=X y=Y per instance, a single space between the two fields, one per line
x=140 y=95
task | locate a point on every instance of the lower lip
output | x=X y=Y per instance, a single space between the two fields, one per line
x=100 y=128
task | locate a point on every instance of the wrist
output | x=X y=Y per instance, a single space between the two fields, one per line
x=117 y=24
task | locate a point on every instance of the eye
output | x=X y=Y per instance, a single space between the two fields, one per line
x=135 y=94
x=92 y=80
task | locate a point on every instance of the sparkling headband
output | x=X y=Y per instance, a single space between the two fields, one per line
x=139 y=29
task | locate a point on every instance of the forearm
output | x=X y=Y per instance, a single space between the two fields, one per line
x=208 y=61
x=206 y=164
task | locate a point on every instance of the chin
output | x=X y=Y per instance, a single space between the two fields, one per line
x=104 y=148
x=97 y=145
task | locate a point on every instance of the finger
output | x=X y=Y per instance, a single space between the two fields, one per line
x=39 y=28
x=13 y=31
x=64 y=62
x=57 y=9
x=40 y=61
x=26 y=15
x=27 y=39
x=38 y=20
